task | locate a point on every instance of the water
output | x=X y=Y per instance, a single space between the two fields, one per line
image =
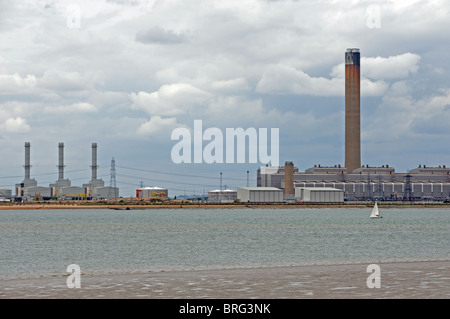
x=37 y=243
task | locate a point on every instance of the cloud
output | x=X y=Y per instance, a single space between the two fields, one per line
x=379 y=68
x=14 y=83
x=159 y=125
x=283 y=79
x=433 y=115
x=238 y=84
x=76 y=108
x=125 y=2
x=137 y=68
x=68 y=81
x=170 y=99
x=159 y=36
x=15 y=125
x=400 y=116
x=13 y=109
x=222 y=111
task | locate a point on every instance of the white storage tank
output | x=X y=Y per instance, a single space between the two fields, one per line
x=152 y=192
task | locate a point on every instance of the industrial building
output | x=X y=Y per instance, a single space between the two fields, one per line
x=62 y=188
x=355 y=181
x=5 y=193
x=96 y=187
x=260 y=195
x=152 y=192
x=366 y=183
x=61 y=182
x=222 y=196
x=319 y=195
x=94 y=182
x=27 y=181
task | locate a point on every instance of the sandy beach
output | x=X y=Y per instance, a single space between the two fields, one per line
x=399 y=280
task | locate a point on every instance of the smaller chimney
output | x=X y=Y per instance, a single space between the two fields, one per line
x=289 y=179
x=61 y=161
x=27 y=160
x=94 y=161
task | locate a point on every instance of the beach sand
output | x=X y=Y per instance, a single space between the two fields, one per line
x=399 y=280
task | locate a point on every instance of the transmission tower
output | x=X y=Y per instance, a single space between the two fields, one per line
x=369 y=192
x=112 y=181
x=380 y=191
x=407 y=195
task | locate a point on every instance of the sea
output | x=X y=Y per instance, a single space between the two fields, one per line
x=41 y=243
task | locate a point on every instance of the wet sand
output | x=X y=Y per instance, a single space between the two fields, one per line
x=399 y=280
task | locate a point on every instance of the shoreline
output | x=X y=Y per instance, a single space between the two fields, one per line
x=404 y=279
x=132 y=206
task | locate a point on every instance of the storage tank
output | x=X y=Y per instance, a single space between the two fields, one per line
x=152 y=192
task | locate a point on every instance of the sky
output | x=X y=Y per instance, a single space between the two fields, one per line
x=126 y=73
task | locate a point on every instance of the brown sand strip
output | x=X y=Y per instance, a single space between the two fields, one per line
x=400 y=280
x=184 y=205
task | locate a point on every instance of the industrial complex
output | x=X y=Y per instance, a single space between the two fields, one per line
x=357 y=182
x=277 y=184
x=61 y=189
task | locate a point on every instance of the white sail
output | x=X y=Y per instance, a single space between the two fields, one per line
x=375 y=213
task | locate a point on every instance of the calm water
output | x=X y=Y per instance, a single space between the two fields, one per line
x=44 y=242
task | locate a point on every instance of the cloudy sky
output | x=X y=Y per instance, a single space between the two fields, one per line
x=126 y=73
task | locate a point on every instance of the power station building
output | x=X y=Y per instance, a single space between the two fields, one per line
x=96 y=187
x=358 y=182
x=366 y=183
x=62 y=188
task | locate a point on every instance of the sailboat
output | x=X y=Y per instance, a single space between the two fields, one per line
x=375 y=213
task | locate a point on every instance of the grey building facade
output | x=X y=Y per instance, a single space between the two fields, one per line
x=367 y=183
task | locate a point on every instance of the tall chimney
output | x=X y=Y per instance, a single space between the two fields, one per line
x=289 y=179
x=61 y=162
x=27 y=160
x=94 y=161
x=352 y=110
